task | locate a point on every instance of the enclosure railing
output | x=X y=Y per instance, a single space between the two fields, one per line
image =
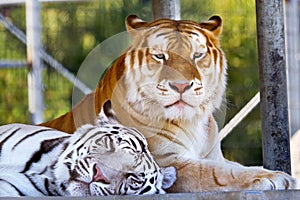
x=45 y=56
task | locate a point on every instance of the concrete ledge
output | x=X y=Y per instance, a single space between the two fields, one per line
x=244 y=195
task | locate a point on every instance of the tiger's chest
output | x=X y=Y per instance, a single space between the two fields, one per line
x=184 y=141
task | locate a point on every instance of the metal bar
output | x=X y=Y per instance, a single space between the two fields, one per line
x=239 y=116
x=20 y=35
x=166 y=9
x=10 y=2
x=4 y=64
x=273 y=85
x=35 y=80
x=65 y=72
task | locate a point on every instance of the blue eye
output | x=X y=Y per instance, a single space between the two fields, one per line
x=160 y=56
x=198 y=55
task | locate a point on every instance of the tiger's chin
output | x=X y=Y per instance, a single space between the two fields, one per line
x=180 y=111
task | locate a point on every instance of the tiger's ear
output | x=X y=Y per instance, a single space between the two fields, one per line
x=107 y=115
x=214 y=24
x=133 y=22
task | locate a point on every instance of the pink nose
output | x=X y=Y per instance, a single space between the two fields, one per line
x=180 y=87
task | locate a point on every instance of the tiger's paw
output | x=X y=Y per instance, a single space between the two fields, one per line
x=273 y=181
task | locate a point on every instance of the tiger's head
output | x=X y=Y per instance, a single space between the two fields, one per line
x=174 y=69
x=109 y=158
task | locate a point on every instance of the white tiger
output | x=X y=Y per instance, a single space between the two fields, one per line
x=102 y=159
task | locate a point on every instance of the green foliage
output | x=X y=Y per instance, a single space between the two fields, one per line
x=86 y=23
x=13 y=99
x=72 y=29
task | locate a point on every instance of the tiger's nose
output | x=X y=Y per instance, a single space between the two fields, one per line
x=180 y=87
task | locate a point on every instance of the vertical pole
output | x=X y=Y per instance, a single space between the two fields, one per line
x=166 y=9
x=35 y=84
x=292 y=35
x=273 y=85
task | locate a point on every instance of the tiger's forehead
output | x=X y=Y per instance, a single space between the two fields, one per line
x=116 y=131
x=170 y=39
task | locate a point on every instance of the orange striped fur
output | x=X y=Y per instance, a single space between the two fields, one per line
x=167 y=85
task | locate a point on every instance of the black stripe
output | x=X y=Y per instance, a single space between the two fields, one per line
x=19 y=192
x=56 y=193
x=108 y=191
x=33 y=183
x=50 y=191
x=78 y=149
x=30 y=135
x=5 y=139
x=133 y=143
x=82 y=166
x=142 y=144
x=147 y=189
x=150 y=161
x=7 y=130
x=63 y=187
x=138 y=162
x=46 y=185
x=103 y=191
x=82 y=136
x=191 y=33
x=165 y=33
x=45 y=147
x=65 y=146
x=43 y=171
x=86 y=161
x=92 y=136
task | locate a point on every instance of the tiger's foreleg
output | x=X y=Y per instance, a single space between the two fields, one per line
x=213 y=175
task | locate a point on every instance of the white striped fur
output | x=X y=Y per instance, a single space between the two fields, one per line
x=102 y=159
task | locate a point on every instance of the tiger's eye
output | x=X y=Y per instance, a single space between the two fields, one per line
x=198 y=55
x=160 y=56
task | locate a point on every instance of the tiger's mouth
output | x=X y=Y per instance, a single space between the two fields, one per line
x=180 y=104
x=98 y=175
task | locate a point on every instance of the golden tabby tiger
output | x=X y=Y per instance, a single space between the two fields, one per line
x=167 y=85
